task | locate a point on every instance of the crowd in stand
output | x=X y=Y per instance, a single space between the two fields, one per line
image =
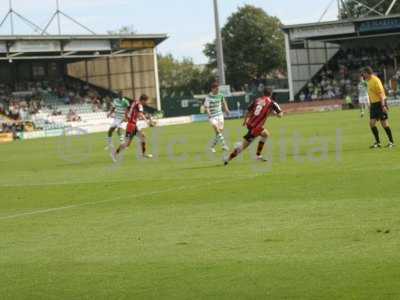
x=339 y=79
x=21 y=101
x=27 y=98
x=257 y=85
x=12 y=128
x=72 y=116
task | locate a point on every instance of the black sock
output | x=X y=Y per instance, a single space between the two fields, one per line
x=143 y=148
x=389 y=134
x=260 y=148
x=376 y=134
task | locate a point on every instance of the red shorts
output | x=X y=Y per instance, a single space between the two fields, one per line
x=253 y=133
x=131 y=130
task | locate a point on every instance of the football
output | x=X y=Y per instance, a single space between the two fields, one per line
x=152 y=123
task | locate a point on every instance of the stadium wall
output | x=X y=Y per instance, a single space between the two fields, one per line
x=135 y=74
x=82 y=129
x=307 y=59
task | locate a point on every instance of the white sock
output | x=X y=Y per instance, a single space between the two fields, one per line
x=215 y=142
x=221 y=139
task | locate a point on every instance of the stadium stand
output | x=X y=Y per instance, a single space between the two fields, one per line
x=51 y=82
x=339 y=78
x=51 y=105
x=325 y=58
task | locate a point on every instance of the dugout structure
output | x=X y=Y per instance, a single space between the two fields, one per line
x=310 y=47
x=111 y=62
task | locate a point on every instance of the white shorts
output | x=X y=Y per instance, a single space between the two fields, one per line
x=117 y=123
x=363 y=100
x=217 y=121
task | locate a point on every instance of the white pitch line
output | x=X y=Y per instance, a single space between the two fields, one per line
x=49 y=210
x=44 y=211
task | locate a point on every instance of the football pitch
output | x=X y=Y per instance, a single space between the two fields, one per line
x=320 y=220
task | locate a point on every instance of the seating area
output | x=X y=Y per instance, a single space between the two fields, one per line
x=340 y=77
x=52 y=105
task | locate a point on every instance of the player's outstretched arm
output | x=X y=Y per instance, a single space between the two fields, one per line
x=150 y=121
x=142 y=117
x=226 y=108
x=278 y=110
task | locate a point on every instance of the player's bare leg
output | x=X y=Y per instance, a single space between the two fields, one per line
x=388 y=130
x=238 y=149
x=245 y=144
x=142 y=138
x=110 y=145
x=263 y=139
x=121 y=148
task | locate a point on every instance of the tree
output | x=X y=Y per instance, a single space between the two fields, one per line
x=183 y=76
x=353 y=9
x=124 y=30
x=253 y=46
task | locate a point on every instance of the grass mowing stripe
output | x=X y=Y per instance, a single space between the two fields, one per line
x=181 y=188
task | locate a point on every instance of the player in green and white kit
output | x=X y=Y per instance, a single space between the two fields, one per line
x=363 y=98
x=215 y=104
x=119 y=109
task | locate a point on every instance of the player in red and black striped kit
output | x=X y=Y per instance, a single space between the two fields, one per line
x=254 y=120
x=133 y=115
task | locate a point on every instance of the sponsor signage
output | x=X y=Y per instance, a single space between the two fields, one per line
x=79 y=129
x=321 y=30
x=225 y=90
x=35 y=46
x=379 y=25
x=88 y=45
x=6 y=137
x=186 y=103
x=199 y=118
x=137 y=44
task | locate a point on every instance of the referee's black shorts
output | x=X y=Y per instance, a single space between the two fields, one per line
x=377 y=112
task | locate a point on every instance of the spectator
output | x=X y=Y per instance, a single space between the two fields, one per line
x=72 y=116
x=340 y=76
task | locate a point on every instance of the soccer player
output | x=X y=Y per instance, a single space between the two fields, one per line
x=214 y=104
x=363 y=98
x=134 y=114
x=379 y=108
x=254 y=120
x=119 y=108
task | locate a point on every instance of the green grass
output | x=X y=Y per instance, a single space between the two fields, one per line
x=305 y=226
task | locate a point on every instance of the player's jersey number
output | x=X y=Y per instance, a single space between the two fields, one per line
x=258 y=109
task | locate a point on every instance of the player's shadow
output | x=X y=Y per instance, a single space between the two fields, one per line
x=221 y=165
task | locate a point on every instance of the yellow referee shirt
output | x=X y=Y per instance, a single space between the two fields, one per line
x=375 y=89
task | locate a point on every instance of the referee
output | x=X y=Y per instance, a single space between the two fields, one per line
x=379 y=108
